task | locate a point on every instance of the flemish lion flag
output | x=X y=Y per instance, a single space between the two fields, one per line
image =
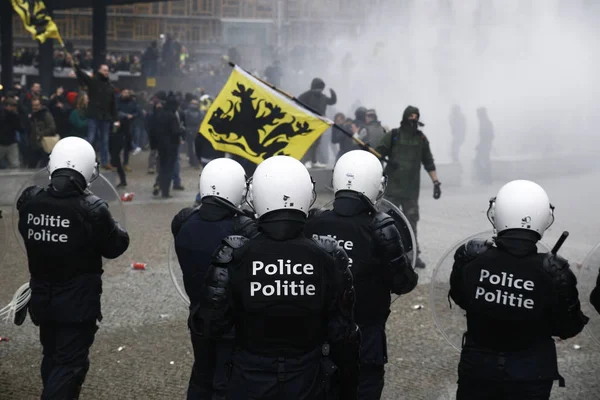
x=36 y=19
x=253 y=121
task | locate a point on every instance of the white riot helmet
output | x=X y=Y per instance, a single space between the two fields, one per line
x=224 y=178
x=76 y=154
x=360 y=171
x=521 y=205
x=281 y=183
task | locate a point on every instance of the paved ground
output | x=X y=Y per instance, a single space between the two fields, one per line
x=142 y=350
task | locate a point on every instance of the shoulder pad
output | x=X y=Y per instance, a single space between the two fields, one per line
x=224 y=253
x=557 y=266
x=315 y=212
x=472 y=249
x=331 y=246
x=381 y=220
x=95 y=206
x=244 y=226
x=180 y=218
x=235 y=241
x=28 y=194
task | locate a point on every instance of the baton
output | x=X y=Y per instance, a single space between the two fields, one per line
x=560 y=242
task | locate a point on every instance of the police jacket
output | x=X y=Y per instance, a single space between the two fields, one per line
x=67 y=231
x=595 y=295
x=285 y=294
x=198 y=232
x=516 y=299
x=408 y=148
x=377 y=258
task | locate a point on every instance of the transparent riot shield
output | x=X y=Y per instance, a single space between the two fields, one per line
x=406 y=232
x=447 y=315
x=587 y=275
x=4 y=232
x=101 y=187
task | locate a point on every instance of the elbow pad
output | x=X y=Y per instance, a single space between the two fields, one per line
x=569 y=319
x=403 y=278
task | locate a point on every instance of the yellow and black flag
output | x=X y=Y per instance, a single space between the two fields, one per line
x=37 y=20
x=254 y=121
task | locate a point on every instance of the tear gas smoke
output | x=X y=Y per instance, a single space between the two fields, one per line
x=532 y=63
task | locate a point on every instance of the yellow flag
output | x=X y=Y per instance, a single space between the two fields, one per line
x=37 y=20
x=253 y=121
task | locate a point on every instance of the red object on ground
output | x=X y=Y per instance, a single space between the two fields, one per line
x=127 y=196
x=138 y=265
x=3 y=339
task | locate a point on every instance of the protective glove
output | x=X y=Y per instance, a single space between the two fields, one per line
x=437 y=190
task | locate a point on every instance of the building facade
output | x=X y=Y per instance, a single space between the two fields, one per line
x=208 y=26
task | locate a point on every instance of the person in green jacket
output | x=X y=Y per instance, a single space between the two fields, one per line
x=78 y=121
x=407 y=148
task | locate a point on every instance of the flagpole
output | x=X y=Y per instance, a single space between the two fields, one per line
x=363 y=145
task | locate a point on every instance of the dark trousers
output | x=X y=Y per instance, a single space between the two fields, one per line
x=210 y=372
x=191 y=149
x=65 y=362
x=116 y=145
x=410 y=209
x=371 y=381
x=167 y=156
x=478 y=389
x=313 y=152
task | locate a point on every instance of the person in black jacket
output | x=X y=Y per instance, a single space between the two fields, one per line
x=10 y=124
x=289 y=298
x=67 y=230
x=516 y=300
x=198 y=232
x=166 y=130
x=595 y=295
x=377 y=256
x=316 y=100
x=102 y=108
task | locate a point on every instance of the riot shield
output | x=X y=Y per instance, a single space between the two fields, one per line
x=587 y=275
x=101 y=187
x=447 y=315
x=406 y=232
x=3 y=233
x=176 y=274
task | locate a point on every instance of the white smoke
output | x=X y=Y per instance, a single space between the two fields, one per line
x=531 y=63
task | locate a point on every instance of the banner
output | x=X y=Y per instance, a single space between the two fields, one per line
x=37 y=20
x=254 y=121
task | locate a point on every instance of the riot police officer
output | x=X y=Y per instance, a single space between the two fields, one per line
x=595 y=295
x=198 y=232
x=378 y=260
x=67 y=230
x=516 y=299
x=289 y=297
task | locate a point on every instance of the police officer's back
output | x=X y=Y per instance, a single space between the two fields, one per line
x=289 y=298
x=67 y=230
x=378 y=260
x=198 y=232
x=516 y=299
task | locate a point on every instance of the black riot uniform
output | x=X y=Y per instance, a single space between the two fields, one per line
x=379 y=266
x=595 y=295
x=66 y=231
x=198 y=232
x=516 y=299
x=290 y=300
